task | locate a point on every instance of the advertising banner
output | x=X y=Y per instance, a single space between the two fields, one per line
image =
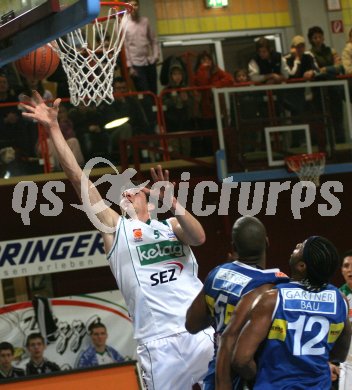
x=73 y=315
x=48 y=254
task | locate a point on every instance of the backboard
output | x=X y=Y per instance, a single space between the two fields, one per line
x=26 y=25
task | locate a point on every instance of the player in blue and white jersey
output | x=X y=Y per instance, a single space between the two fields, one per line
x=226 y=284
x=299 y=326
x=153 y=265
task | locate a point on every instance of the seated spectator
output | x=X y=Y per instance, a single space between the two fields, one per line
x=7 y=355
x=98 y=353
x=207 y=73
x=124 y=107
x=267 y=66
x=38 y=364
x=330 y=65
x=179 y=107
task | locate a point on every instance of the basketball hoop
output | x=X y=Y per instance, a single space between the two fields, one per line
x=308 y=167
x=89 y=55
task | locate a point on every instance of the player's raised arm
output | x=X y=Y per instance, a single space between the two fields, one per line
x=185 y=226
x=254 y=332
x=47 y=116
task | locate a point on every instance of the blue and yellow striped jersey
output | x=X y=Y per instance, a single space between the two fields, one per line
x=304 y=329
x=226 y=284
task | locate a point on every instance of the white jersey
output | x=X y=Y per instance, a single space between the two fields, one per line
x=156 y=274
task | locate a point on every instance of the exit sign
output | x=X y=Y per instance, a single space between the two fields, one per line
x=216 y=3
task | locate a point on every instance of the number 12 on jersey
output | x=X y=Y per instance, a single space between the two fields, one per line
x=301 y=326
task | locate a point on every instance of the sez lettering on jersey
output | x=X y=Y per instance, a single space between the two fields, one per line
x=163 y=277
x=159 y=252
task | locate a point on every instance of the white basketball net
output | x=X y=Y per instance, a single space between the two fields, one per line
x=308 y=167
x=88 y=63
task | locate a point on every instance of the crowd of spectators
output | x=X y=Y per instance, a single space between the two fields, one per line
x=34 y=361
x=186 y=98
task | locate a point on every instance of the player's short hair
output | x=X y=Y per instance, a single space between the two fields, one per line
x=314 y=30
x=249 y=238
x=34 y=336
x=95 y=325
x=322 y=260
x=5 y=346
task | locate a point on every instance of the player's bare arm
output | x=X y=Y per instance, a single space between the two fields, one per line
x=254 y=332
x=229 y=337
x=185 y=226
x=340 y=350
x=198 y=316
x=47 y=116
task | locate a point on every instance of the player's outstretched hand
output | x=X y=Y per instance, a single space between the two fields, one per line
x=40 y=111
x=165 y=192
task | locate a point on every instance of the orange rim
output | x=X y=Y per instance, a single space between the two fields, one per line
x=115 y=5
x=295 y=162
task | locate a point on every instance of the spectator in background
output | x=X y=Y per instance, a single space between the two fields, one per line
x=142 y=51
x=301 y=65
x=31 y=85
x=31 y=127
x=241 y=76
x=179 y=107
x=11 y=124
x=347 y=55
x=60 y=78
x=267 y=66
x=207 y=73
x=244 y=107
x=142 y=55
x=124 y=107
x=13 y=137
x=328 y=60
x=13 y=77
x=330 y=66
x=89 y=128
x=98 y=353
x=38 y=364
x=346 y=289
x=66 y=127
x=347 y=60
x=7 y=355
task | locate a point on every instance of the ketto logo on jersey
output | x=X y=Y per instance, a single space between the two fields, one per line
x=158 y=252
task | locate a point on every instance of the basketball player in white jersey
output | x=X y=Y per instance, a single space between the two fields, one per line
x=154 y=268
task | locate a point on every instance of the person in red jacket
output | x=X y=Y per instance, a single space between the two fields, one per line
x=207 y=73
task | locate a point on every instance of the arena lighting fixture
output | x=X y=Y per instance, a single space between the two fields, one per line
x=116 y=123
